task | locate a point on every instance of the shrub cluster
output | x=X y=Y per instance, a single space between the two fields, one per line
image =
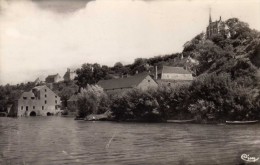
x=209 y=98
x=92 y=100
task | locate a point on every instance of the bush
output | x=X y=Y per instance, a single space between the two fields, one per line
x=217 y=97
x=136 y=105
x=173 y=101
x=203 y=111
x=92 y=100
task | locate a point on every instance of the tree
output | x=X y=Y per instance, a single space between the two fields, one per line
x=139 y=65
x=90 y=74
x=237 y=28
x=119 y=68
x=92 y=100
x=209 y=53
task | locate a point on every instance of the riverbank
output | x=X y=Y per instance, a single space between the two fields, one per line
x=211 y=98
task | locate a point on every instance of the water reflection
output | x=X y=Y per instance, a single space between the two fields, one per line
x=56 y=140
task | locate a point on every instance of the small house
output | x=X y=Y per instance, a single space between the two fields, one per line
x=168 y=75
x=53 y=78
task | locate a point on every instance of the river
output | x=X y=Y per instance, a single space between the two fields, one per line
x=60 y=140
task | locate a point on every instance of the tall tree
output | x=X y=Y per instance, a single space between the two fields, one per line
x=90 y=74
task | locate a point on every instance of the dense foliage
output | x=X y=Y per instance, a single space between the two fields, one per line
x=136 y=105
x=210 y=98
x=92 y=100
x=65 y=90
x=218 y=98
x=9 y=93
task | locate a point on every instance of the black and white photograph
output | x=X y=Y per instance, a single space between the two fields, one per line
x=129 y=82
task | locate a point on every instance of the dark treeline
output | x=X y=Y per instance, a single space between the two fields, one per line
x=92 y=73
x=227 y=86
x=210 y=98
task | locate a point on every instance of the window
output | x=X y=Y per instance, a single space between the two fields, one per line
x=27 y=108
x=32 y=98
x=42 y=107
x=169 y=84
x=148 y=80
x=45 y=96
x=55 y=96
x=45 y=101
x=21 y=107
x=56 y=101
x=56 y=107
x=25 y=98
x=45 y=90
x=33 y=107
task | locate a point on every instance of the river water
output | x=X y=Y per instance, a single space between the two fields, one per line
x=59 y=140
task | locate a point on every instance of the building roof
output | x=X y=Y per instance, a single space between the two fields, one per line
x=128 y=82
x=52 y=76
x=170 y=69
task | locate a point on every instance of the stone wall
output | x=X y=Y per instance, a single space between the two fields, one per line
x=175 y=76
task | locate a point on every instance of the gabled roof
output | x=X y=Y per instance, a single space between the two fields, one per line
x=52 y=76
x=128 y=82
x=177 y=70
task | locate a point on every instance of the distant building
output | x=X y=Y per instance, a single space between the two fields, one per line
x=168 y=75
x=38 y=81
x=214 y=27
x=142 y=81
x=53 y=78
x=69 y=75
x=40 y=101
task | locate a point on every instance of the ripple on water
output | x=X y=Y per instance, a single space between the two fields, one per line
x=57 y=140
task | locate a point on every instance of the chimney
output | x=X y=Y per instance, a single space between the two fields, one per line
x=220 y=18
x=68 y=69
x=156 y=74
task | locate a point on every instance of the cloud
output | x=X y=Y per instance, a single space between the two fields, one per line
x=62 y=6
x=36 y=40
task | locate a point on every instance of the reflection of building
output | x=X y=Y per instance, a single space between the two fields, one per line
x=40 y=101
x=142 y=81
x=53 y=78
x=69 y=75
x=168 y=75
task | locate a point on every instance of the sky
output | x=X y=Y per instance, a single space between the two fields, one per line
x=42 y=37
